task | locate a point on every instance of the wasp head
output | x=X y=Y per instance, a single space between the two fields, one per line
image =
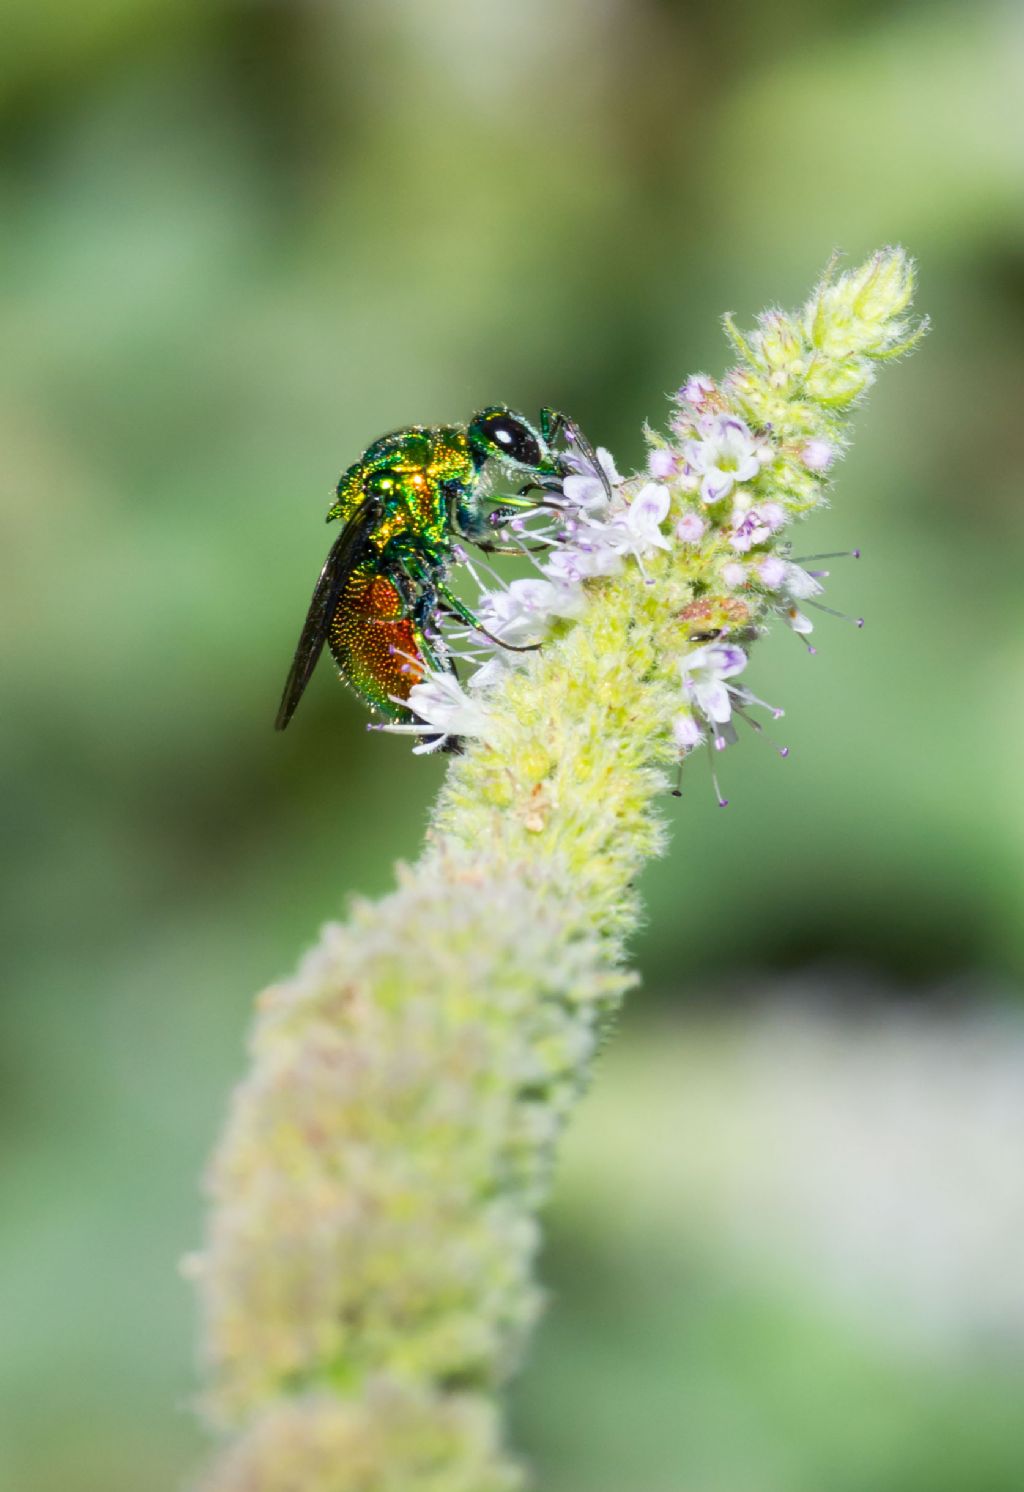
x=501 y=433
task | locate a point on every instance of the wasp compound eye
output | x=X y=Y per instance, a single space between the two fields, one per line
x=508 y=435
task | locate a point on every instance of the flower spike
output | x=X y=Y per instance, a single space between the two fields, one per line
x=367 y=1277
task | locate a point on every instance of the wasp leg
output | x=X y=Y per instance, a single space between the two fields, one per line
x=461 y=610
x=419 y=598
x=552 y=423
x=498 y=519
x=477 y=526
x=510 y=507
x=518 y=550
x=415 y=583
x=542 y=484
x=478 y=531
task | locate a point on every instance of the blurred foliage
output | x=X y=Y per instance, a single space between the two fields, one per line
x=682 y=1354
x=240 y=240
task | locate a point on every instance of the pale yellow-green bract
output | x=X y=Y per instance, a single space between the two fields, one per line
x=367 y=1276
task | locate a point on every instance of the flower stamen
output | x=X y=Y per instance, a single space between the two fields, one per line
x=801 y=559
x=756 y=725
x=722 y=802
x=844 y=616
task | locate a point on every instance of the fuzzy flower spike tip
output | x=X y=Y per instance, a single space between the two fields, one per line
x=367 y=1278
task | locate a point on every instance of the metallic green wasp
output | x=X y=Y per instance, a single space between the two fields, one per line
x=406 y=506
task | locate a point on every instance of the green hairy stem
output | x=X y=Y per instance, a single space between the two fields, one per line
x=367 y=1277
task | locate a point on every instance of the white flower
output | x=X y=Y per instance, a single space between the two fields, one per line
x=705 y=671
x=519 y=614
x=707 y=674
x=695 y=390
x=588 y=486
x=443 y=709
x=755 y=525
x=800 y=583
x=725 y=454
x=598 y=547
x=748 y=531
x=644 y=517
x=492 y=672
x=785 y=575
x=734 y=574
x=803 y=585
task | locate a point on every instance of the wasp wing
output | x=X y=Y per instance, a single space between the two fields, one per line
x=348 y=549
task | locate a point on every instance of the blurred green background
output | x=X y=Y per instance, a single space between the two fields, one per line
x=240 y=240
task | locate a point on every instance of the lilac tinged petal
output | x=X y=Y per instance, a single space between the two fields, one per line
x=686 y=732
x=818 y=455
x=772 y=571
x=691 y=528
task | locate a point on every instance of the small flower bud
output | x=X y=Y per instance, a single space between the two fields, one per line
x=779 y=341
x=837 y=385
x=686 y=732
x=662 y=463
x=696 y=391
x=772 y=571
x=818 y=455
x=690 y=528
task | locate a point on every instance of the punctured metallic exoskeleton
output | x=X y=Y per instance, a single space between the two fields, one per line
x=405 y=506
